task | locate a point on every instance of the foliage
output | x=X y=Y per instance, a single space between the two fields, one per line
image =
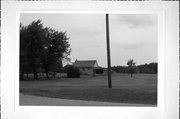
x=72 y=72
x=57 y=67
x=55 y=46
x=120 y=69
x=41 y=47
x=150 y=68
x=31 y=48
x=131 y=66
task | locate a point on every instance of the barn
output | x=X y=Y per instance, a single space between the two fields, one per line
x=89 y=67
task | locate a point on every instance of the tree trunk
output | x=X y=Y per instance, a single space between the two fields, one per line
x=27 y=75
x=35 y=74
x=47 y=74
x=54 y=74
x=131 y=75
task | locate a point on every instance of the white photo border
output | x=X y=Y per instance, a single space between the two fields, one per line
x=164 y=36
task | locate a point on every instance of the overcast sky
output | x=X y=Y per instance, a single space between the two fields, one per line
x=131 y=35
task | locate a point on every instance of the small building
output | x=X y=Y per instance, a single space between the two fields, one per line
x=89 y=67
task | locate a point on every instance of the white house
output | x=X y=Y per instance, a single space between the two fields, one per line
x=89 y=67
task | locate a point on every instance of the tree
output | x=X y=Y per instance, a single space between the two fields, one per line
x=41 y=47
x=131 y=66
x=72 y=72
x=153 y=67
x=56 y=47
x=31 y=48
x=148 y=68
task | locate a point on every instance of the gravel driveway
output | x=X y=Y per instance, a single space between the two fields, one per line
x=27 y=100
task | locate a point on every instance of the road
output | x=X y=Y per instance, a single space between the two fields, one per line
x=27 y=100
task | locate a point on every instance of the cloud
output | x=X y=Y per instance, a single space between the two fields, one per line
x=136 y=20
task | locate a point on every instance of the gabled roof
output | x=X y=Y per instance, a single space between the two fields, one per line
x=85 y=63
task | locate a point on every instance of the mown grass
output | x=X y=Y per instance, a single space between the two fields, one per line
x=141 y=89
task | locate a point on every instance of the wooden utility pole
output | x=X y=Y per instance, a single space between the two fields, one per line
x=108 y=51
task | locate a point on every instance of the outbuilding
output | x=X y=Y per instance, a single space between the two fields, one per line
x=89 y=67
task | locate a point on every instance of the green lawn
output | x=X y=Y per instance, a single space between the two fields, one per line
x=140 y=89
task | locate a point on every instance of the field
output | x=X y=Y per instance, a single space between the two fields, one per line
x=140 y=89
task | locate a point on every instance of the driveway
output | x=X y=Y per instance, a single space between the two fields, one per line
x=28 y=100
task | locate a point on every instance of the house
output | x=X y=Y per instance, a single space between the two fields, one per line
x=89 y=67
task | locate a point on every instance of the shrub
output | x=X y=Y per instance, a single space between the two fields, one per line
x=72 y=72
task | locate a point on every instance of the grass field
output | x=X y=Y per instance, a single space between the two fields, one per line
x=140 y=89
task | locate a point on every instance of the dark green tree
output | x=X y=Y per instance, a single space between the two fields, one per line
x=72 y=72
x=56 y=48
x=132 y=66
x=23 y=52
x=31 y=48
x=153 y=67
x=41 y=47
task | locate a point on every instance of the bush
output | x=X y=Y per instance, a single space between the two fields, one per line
x=72 y=72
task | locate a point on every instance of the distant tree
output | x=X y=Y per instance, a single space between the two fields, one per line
x=131 y=66
x=120 y=69
x=143 y=68
x=148 y=68
x=153 y=67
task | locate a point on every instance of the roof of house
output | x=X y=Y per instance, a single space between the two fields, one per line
x=84 y=63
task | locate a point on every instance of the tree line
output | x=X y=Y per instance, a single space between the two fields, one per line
x=150 y=68
x=41 y=49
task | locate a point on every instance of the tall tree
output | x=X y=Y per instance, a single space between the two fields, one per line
x=41 y=47
x=131 y=65
x=31 y=46
x=56 y=48
x=23 y=58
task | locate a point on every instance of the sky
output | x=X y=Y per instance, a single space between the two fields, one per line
x=132 y=36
